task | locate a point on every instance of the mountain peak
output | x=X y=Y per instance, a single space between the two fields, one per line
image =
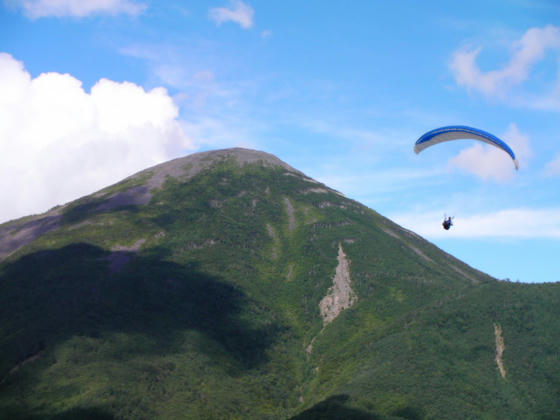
x=188 y=166
x=16 y=234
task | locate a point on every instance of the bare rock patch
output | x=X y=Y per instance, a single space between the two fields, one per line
x=500 y=347
x=291 y=214
x=341 y=295
x=15 y=236
x=121 y=255
x=135 y=247
x=272 y=233
x=317 y=190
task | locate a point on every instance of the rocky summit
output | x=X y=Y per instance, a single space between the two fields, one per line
x=227 y=284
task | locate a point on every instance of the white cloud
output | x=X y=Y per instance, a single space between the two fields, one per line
x=488 y=162
x=530 y=49
x=59 y=142
x=35 y=9
x=239 y=12
x=520 y=223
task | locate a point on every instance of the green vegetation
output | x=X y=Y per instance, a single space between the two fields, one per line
x=202 y=303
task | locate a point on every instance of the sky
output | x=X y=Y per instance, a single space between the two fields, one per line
x=92 y=91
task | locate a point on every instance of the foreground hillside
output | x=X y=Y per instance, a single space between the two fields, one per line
x=229 y=285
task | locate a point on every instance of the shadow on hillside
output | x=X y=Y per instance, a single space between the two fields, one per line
x=71 y=414
x=84 y=414
x=82 y=290
x=333 y=408
x=126 y=200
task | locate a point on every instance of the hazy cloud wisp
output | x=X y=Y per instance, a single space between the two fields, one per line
x=239 y=13
x=35 y=9
x=526 y=52
x=553 y=167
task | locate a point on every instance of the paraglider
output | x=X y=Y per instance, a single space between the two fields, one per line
x=456 y=132
x=447 y=222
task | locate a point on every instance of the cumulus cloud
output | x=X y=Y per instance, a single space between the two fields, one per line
x=524 y=223
x=488 y=162
x=239 y=13
x=525 y=53
x=59 y=142
x=35 y=9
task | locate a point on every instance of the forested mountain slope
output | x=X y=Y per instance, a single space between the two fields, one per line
x=227 y=284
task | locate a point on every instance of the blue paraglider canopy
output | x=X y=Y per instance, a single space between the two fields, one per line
x=456 y=132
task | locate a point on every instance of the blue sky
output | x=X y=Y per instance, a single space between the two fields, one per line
x=92 y=91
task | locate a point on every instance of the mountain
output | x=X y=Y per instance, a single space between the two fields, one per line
x=228 y=284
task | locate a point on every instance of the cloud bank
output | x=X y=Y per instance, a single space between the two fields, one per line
x=35 y=9
x=239 y=13
x=59 y=142
x=526 y=52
